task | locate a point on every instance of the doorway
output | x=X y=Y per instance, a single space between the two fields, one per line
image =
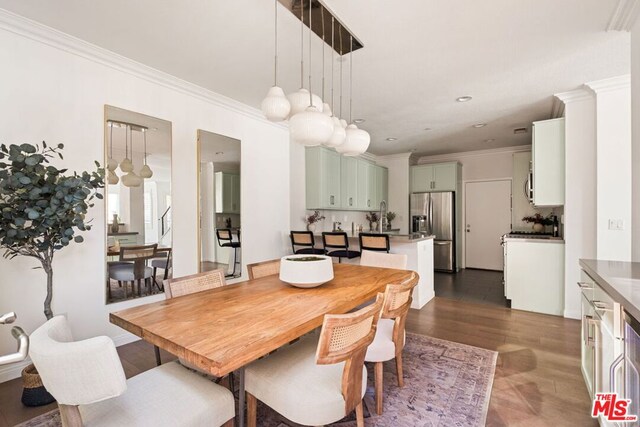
x=488 y=217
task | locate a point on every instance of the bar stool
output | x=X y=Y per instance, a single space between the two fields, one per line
x=339 y=242
x=374 y=242
x=307 y=241
x=225 y=240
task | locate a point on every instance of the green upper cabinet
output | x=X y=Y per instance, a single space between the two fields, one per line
x=349 y=182
x=436 y=177
x=323 y=178
x=227 y=192
x=343 y=183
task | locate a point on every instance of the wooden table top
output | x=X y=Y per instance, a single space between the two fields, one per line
x=226 y=328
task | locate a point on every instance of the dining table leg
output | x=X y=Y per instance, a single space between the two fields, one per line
x=241 y=397
x=156 y=350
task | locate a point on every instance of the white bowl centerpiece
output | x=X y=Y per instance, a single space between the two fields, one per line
x=306 y=271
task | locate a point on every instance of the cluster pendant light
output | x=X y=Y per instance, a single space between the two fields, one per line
x=112 y=164
x=313 y=122
x=129 y=177
x=145 y=171
x=357 y=140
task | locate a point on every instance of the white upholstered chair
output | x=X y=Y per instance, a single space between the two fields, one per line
x=384 y=260
x=317 y=382
x=87 y=380
x=390 y=334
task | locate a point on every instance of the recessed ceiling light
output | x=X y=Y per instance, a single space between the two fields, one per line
x=427 y=129
x=391 y=139
x=218 y=153
x=479 y=125
x=489 y=140
x=465 y=98
x=519 y=131
x=358 y=121
x=413 y=150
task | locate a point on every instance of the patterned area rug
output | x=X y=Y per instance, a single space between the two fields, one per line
x=446 y=384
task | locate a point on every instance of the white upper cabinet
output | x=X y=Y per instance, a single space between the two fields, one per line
x=548 y=162
x=436 y=177
x=227 y=192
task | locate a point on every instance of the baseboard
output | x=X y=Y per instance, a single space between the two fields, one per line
x=571 y=314
x=13 y=371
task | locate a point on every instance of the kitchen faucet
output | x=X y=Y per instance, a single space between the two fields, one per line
x=383 y=216
x=18 y=334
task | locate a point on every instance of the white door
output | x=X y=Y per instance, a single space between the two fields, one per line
x=488 y=217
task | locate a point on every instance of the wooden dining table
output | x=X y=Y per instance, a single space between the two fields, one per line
x=224 y=329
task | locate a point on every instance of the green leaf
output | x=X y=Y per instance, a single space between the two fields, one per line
x=61 y=146
x=78 y=239
x=25 y=180
x=33 y=214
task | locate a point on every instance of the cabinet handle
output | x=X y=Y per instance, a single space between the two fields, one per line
x=331 y=200
x=368 y=203
x=593 y=342
x=601 y=306
x=350 y=201
x=586 y=336
x=585 y=286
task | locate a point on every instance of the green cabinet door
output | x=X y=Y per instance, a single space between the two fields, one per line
x=332 y=187
x=382 y=185
x=374 y=194
x=445 y=177
x=323 y=181
x=227 y=192
x=349 y=178
x=363 y=201
x=421 y=178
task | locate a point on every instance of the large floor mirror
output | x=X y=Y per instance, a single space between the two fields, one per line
x=219 y=203
x=138 y=196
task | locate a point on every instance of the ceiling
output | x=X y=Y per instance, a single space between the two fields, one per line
x=219 y=149
x=418 y=57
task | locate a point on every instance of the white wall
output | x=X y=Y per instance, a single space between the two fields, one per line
x=635 y=111
x=613 y=154
x=580 y=191
x=54 y=88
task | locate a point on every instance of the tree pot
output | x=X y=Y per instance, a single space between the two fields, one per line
x=33 y=392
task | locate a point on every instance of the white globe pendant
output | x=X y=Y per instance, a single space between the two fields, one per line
x=338 y=136
x=326 y=110
x=112 y=164
x=131 y=180
x=275 y=105
x=112 y=178
x=343 y=122
x=299 y=101
x=356 y=142
x=310 y=127
x=126 y=165
x=145 y=172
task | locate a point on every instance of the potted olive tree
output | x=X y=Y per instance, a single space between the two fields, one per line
x=42 y=208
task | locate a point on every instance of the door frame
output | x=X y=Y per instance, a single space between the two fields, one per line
x=463 y=261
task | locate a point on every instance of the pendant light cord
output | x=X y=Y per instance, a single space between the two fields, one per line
x=144 y=135
x=111 y=139
x=301 y=44
x=323 y=53
x=126 y=141
x=351 y=80
x=275 y=62
x=341 y=58
x=333 y=22
x=310 y=31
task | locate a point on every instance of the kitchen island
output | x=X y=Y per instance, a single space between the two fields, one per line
x=419 y=250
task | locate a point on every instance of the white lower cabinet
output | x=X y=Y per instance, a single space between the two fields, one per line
x=601 y=342
x=534 y=275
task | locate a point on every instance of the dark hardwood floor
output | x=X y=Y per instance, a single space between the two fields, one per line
x=480 y=286
x=537 y=383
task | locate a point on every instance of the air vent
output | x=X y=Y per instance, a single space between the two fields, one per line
x=519 y=131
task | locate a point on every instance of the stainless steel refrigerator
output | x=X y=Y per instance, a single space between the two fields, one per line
x=434 y=213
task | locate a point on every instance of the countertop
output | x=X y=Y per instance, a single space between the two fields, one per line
x=409 y=238
x=535 y=239
x=123 y=233
x=621 y=280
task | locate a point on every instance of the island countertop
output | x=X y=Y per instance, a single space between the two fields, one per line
x=619 y=279
x=407 y=238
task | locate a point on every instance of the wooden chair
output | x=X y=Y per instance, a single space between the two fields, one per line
x=164 y=263
x=132 y=267
x=307 y=241
x=336 y=244
x=307 y=382
x=374 y=242
x=88 y=381
x=390 y=334
x=380 y=259
x=263 y=269
x=194 y=283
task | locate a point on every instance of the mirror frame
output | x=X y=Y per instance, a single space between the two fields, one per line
x=106 y=202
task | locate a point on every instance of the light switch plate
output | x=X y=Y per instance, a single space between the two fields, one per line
x=616 y=224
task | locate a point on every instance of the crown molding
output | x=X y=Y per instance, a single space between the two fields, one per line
x=624 y=16
x=455 y=156
x=557 y=108
x=606 y=85
x=41 y=33
x=402 y=156
x=575 y=95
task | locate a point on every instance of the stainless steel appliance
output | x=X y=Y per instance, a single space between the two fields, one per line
x=434 y=213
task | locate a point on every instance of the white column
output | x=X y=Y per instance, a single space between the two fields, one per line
x=613 y=153
x=635 y=112
x=580 y=190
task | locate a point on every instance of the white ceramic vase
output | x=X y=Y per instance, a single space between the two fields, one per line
x=306 y=271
